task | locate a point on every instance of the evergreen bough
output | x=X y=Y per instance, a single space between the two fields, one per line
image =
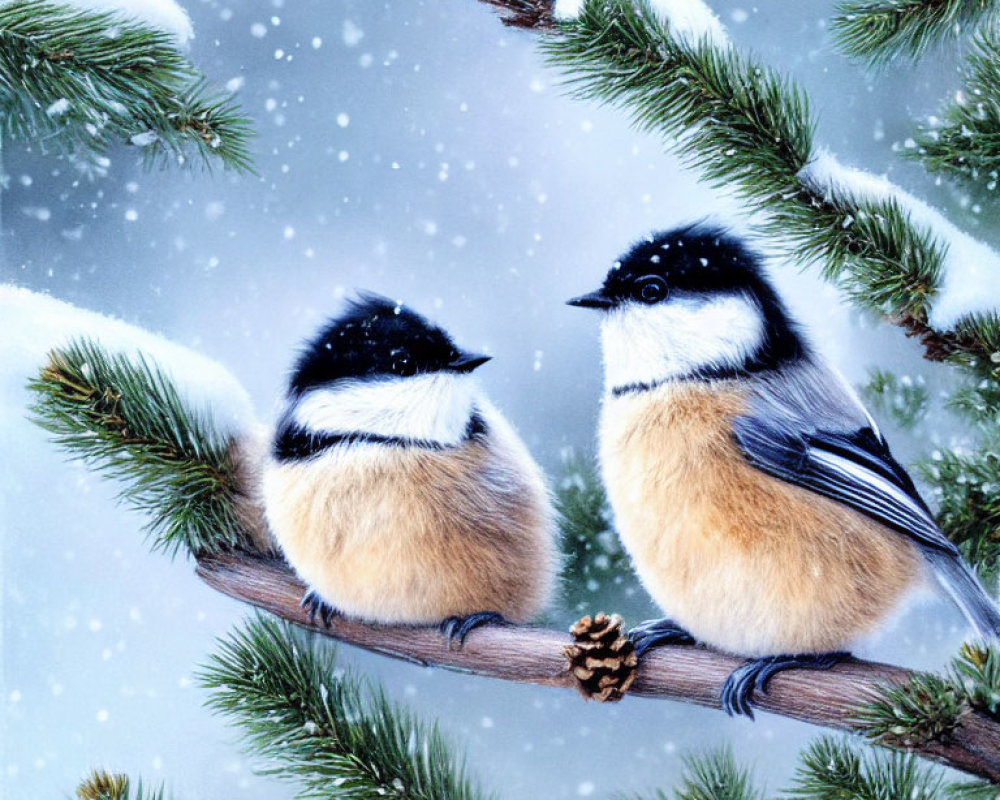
x=68 y=85
x=336 y=735
x=966 y=144
x=745 y=126
x=125 y=417
x=878 y=31
x=101 y=785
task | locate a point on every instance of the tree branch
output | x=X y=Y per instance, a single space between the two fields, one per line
x=731 y=105
x=535 y=655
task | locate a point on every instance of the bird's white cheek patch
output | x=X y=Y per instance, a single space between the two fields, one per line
x=647 y=344
x=433 y=407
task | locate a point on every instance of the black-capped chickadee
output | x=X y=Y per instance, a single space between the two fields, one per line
x=396 y=490
x=760 y=503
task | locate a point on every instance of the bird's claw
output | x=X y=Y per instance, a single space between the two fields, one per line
x=657 y=632
x=743 y=682
x=316 y=606
x=457 y=628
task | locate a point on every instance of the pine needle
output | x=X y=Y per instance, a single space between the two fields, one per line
x=877 y=31
x=68 y=86
x=335 y=735
x=101 y=785
x=127 y=419
x=831 y=769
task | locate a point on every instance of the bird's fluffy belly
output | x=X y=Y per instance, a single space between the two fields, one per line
x=744 y=562
x=409 y=536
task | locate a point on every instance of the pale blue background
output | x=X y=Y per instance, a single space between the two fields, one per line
x=473 y=190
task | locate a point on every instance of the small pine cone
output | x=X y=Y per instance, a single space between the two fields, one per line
x=602 y=659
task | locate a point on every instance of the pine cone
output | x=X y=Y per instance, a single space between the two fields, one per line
x=602 y=659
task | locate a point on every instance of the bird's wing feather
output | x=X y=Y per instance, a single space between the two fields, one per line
x=854 y=468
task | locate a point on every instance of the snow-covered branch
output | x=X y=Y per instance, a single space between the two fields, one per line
x=748 y=128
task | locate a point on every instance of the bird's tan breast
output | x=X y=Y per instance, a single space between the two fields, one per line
x=412 y=535
x=745 y=562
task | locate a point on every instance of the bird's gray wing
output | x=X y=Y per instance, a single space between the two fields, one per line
x=855 y=468
x=806 y=427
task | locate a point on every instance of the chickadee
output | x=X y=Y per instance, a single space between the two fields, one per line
x=760 y=503
x=396 y=490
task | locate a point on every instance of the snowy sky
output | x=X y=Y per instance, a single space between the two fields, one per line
x=420 y=150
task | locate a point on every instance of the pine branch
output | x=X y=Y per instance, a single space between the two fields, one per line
x=977 y=672
x=922 y=709
x=594 y=561
x=750 y=129
x=969 y=504
x=833 y=770
x=535 y=655
x=713 y=776
x=717 y=776
x=127 y=419
x=904 y=399
x=967 y=144
x=102 y=785
x=334 y=734
x=877 y=31
x=69 y=86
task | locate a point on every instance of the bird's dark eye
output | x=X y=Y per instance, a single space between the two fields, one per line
x=651 y=289
x=402 y=362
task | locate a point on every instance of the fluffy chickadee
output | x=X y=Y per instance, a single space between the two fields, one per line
x=396 y=490
x=760 y=503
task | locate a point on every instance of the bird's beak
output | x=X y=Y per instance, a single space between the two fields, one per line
x=466 y=362
x=596 y=299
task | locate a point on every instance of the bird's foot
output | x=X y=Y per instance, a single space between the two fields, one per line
x=460 y=627
x=316 y=606
x=739 y=688
x=657 y=632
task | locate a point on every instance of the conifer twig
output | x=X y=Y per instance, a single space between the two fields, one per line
x=67 y=85
x=967 y=142
x=877 y=31
x=746 y=126
x=333 y=733
x=533 y=655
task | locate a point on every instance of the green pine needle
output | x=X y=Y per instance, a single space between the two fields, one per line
x=968 y=493
x=877 y=31
x=973 y=790
x=127 y=419
x=903 y=399
x=101 y=785
x=334 y=734
x=714 y=776
x=967 y=144
x=977 y=671
x=66 y=85
x=717 y=776
x=748 y=128
x=924 y=709
x=831 y=769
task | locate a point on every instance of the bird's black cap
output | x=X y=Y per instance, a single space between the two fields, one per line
x=378 y=337
x=695 y=260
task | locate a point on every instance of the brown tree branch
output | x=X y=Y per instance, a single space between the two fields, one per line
x=535 y=655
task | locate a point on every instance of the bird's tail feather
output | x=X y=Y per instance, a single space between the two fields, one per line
x=960 y=582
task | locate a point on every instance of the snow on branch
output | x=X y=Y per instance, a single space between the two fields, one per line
x=750 y=129
x=199 y=480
